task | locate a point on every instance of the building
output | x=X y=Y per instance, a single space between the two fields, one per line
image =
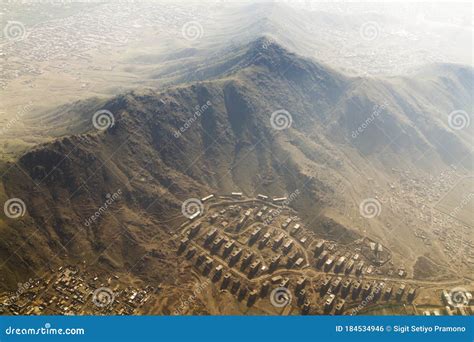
x=296 y=229
x=275 y=261
x=356 y=289
x=200 y=259
x=400 y=291
x=264 y=289
x=276 y=279
x=299 y=262
x=195 y=215
x=278 y=241
x=319 y=248
x=243 y=291
x=240 y=224
x=329 y=302
x=226 y=280
x=339 y=307
x=207 y=198
x=366 y=289
x=346 y=287
x=304 y=240
x=322 y=258
x=208 y=265
x=340 y=264
x=301 y=283
x=183 y=243
x=228 y=247
x=252 y=297
x=301 y=295
x=306 y=307
x=210 y=236
x=349 y=267
x=388 y=293
x=217 y=243
x=214 y=217
x=254 y=267
x=446 y=297
x=255 y=234
x=411 y=294
x=194 y=230
x=235 y=286
x=335 y=285
x=263 y=242
x=235 y=256
x=359 y=268
x=218 y=271
x=191 y=253
x=247 y=259
x=325 y=284
x=328 y=264
x=287 y=246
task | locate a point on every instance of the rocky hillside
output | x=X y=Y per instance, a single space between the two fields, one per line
x=268 y=121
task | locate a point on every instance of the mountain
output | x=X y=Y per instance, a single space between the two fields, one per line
x=212 y=132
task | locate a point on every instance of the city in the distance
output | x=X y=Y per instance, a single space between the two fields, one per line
x=236 y=158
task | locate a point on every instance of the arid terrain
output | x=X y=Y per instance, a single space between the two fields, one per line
x=235 y=158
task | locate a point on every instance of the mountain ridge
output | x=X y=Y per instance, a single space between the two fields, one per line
x=231 y=146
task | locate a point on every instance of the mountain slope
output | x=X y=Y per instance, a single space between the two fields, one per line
x=217 y=136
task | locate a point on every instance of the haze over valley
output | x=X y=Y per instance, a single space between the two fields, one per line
x=227 y=157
